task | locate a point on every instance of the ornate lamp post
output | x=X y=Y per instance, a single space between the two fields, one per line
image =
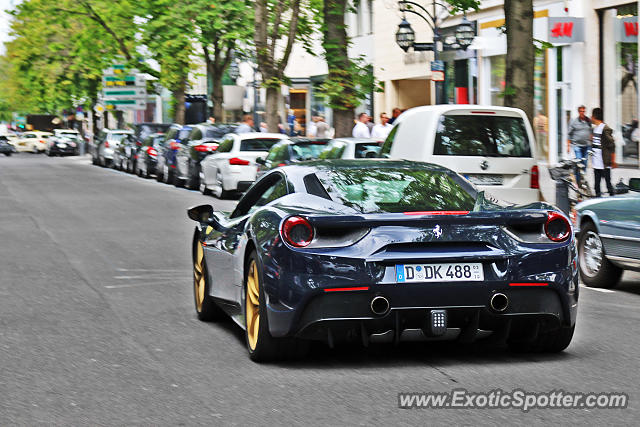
x=405 y=36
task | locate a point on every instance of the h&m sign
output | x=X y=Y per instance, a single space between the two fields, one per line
x=627 y=29
x=566 y=30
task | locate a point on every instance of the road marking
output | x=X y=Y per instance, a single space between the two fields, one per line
x=606 y=291
x=150 y=269
x=135 y=285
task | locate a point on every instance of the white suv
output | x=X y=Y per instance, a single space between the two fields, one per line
x=493 y=147
x=233 y=167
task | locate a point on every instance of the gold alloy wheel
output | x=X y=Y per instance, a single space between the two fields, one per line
x=253 y=305
x=198 y=277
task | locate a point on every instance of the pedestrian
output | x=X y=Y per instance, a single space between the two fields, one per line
x=382 y=129
x=370 y=123
x=361 y=130
x=312 y=129
x=603 y=146
x=212 y=120
x=247 y=124
x=579 y=138
x=322 y=128
x=263 y=127
x=394 y=115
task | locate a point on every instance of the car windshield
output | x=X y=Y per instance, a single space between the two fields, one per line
x=258 y=144
x=307 y=150
x=217 y=132
x=69 y=135
x=481 y=135
x=398 y=189
x=117 y=136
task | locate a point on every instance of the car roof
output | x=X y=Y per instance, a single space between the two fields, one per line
x=357 y=140
x=305 y=140
x=260 y=135
x=430 y=110
x=334 y=164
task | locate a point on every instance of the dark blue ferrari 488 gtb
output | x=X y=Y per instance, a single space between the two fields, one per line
x=384 y=251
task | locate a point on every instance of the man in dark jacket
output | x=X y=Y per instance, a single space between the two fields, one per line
x=603 y=147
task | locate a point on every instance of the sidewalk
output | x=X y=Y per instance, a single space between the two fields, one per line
x=548 y=186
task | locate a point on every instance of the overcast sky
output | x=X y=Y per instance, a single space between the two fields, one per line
x=4 y=20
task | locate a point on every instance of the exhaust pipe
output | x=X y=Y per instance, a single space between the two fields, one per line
x=380 y=306
x=499 y=302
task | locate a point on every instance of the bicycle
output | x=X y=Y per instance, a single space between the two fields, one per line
x=565 y=172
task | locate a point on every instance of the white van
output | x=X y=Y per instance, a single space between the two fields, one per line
x=493 y=147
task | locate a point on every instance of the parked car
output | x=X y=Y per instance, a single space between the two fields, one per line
x=63 y=141
x=608 y=231
x=103 y=146
x=6 y=147
x=32 y=141
x=202 y=140
x=148 y=155
x=383 y=251
x=168 y=152
x=493 y=147
x=351 y=148
x=140 y=133
x=291 y=151
x=232 y=168
x=124 y=153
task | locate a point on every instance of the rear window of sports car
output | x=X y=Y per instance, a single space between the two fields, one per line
x=398 y=190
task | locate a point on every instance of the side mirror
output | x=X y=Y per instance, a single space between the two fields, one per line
x=634 y=184
x=202 y=213
x=260 y=161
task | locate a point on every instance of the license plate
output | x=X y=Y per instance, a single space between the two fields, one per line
x=455 y=272
x=485 y=179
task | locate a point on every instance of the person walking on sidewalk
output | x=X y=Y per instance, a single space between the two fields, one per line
x=579 y=137
x=603 y=147
x=361 y=130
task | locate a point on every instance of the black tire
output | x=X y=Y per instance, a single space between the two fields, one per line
x=208 y=310
x=606 y=275
x=194 y=178
x=553 y=341
x=7 y=154
x=94 y=161
x=267 y=348
x=159 y=176
x=168 y=177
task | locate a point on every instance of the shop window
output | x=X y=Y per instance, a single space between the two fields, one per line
x=498 y=71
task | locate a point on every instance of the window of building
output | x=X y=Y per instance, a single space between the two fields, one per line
x=498 y=71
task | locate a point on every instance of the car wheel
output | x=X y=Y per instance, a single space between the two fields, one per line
x=595 y=269
x=206 y=308
x=203 y=187
x=553 y=341
x=34 y=150
x=222 y=194
x=94 y=160
x=261 y=345
x=167 y=176
x=7 y=154
x=194 y=178
x=158 y=173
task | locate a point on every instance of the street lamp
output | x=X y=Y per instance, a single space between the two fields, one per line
x=405 y=36
x=465 y=33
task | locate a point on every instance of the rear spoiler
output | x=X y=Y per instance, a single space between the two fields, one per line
x=413 y=219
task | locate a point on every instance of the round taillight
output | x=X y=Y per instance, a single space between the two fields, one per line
x=557 y=227
x=297 y=231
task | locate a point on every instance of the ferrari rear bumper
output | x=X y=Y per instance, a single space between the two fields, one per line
x=343 y=315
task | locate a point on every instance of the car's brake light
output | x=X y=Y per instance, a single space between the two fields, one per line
x=152 y=151
x=557 y=227
x=237 y=161
x=535 y=177
x=174 y=146
x=106 y=144
x=282 y=164
x=297 y=231
x=204 y=148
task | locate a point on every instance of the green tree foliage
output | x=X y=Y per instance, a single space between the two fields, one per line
x=58 y=53
x=222 y=27
x=168 y=34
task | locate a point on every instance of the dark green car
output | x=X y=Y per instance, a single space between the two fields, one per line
x=609 y=237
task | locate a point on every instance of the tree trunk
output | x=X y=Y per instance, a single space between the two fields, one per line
x=179 y=109
x=271 y=107
x=520 y=55
x=217 y=95
x=336 y=44
x=119 y=119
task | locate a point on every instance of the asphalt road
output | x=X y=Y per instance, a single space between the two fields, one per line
x=97 y=327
